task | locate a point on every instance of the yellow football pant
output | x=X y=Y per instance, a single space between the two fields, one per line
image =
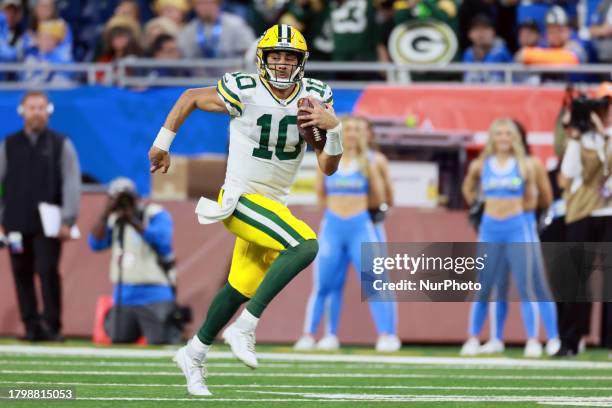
x=263 y=228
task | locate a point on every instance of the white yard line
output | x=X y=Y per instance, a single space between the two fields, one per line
x=136 y=364
x=296 y=357
x=268 y=364
x=315 y=375
x=297 y=386
x=377 y=398
x=433 y=398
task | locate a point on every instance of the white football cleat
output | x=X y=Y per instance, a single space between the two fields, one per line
x=552 y=346
x=388 y=343
x=493 y=346
x=194 y=370
x=305 y=343
x=328 y=343
x=242 y=343
x=470 y=347
x=533 y=348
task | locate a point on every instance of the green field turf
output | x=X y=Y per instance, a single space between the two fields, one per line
x=416 y=376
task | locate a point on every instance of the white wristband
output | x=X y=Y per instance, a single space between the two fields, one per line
x=164 y=139
x=333 y=144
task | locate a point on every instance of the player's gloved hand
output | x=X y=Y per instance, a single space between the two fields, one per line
x=321 y=116
x=159 y=159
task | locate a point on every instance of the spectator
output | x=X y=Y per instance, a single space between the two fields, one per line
x=528 y=37
x=214 y=34
x=601 y=30
x=157 y=26
x=264 y=14
x=120 y=39
x=128 y=8
x=486 y=49
x=48 y=51
x=165 y=48
x=529 y=34
x=45 y=10
x=501 y=13
x=175 y=10
x=559 y=48
x=12 y=11
x=8 y=52
x=37 y=165
x=311 y=17
x=142 y=266
x=355 y=31
x=357 y=36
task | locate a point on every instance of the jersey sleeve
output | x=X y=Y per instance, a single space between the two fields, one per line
x=329 y=96
x=229 y=93
x=319 y=90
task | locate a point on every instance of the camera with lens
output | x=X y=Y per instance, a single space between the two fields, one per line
x=125 y=201
x=180 y=316
x=581 y=109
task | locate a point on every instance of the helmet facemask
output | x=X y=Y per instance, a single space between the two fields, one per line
x=269 y=72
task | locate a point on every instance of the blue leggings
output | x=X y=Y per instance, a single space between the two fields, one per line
x=510 y=237
x=340 y=242
x=546 y=310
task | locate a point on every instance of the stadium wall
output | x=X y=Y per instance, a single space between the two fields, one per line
x=204 y=255
x=112 y=128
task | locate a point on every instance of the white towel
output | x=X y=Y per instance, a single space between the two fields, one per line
x=210 y=211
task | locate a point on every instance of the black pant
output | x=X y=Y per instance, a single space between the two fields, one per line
x=41 y=255
x=575 y=317
x=151 y=321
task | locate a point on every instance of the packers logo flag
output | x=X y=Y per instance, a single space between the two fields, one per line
x=423 y=42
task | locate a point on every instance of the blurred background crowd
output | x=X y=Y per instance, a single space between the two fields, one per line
x=569 y=32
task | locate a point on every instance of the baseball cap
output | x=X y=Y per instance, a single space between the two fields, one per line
x=16 y=3
x=556 y=16
x=121 y=185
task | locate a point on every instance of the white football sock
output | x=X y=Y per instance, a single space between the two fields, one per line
x=195 y=347
x=246 y=321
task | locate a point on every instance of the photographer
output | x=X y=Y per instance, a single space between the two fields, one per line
x=142 y=267
x=585 y=177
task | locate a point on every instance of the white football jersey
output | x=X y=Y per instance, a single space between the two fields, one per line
x=265 y=148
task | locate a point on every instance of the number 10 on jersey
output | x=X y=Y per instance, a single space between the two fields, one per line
x=263 y=152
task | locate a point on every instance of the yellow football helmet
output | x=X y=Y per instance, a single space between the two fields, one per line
x=281 y=37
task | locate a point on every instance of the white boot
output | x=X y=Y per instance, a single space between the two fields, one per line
x=328 y=343
x=305 y=343
x=242 y=343
x=552 y=346
x=533 y=348
x=493 y=346
x=470 y=347
x=194 y=369
x=387 y=343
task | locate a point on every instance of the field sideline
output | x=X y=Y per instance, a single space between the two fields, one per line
x=416 y=376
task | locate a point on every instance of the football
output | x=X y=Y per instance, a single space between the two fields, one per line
x=313 y=135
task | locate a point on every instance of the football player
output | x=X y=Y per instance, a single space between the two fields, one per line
x=266 y=149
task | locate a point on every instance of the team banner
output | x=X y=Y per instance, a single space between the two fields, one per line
x=470 y=271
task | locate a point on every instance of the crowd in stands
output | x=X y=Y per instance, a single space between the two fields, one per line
x=487 y=31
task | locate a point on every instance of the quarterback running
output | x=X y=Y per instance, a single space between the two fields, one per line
x=266 y=149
